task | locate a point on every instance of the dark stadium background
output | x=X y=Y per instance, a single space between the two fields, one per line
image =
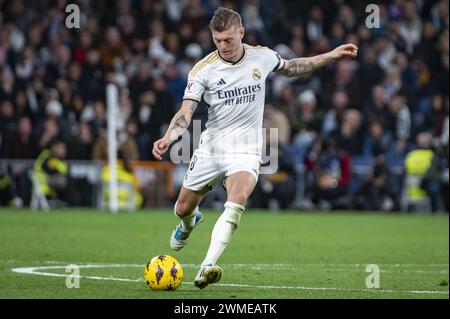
x=53 y=79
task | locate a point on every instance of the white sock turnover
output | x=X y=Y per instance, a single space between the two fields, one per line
x=223 y=231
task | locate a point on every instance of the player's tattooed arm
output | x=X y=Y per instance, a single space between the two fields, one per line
x=178 y=125
x=303 y=66
x=181 y=120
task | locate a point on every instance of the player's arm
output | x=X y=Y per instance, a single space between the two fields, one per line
x=180 y=122
x=303 y=66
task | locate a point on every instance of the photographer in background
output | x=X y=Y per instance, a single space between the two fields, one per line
x=51 y=169
x=280 y=186
x=6 y=190
x=331 y=170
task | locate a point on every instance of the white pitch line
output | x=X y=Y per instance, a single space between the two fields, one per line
x=246 y=265
x=331 y=267
x=337 y=289
x=34 y=271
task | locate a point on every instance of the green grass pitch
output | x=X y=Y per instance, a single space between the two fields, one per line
x=273 y=255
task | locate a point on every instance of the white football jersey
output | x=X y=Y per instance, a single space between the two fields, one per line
x=234 y=94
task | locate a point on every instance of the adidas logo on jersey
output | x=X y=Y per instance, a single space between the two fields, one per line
x=221 y=82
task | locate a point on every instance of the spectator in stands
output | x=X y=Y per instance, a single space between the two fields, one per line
x=125 y=143
x=100 y=146
x=345 y=80
x=125 y=109
x=131 y=128
x=7 y=128
x=49 y=133
x=75 y=110
x=289 y=106
x=54 y=111
x=315 y=24
x=398 y=126
x=194 y=15
x=375 y=141
x=369 y=73
x=93 y=71
x=203 y=38
x=375 y=107
x=349 y=134
x=193 y=53
x=7 y=85
x=98 y=114
x=411 y=26
x=112 y=47
x=435 y=116
x=334 y=116
x=375 y=194
x=24 y=143
x=139 y=83
x=308 y=119
x=331 y=169
x=175 y=83
x=80 y=146
x=274 y=118
x=253 y=21
x=21 y=105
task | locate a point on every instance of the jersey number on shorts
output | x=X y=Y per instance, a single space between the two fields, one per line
x=194 y=160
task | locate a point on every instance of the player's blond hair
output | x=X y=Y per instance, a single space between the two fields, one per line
x=225 y=18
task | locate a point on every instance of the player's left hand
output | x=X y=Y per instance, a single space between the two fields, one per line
x=345 y=50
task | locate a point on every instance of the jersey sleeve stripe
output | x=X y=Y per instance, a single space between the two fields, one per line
x=209 y=59
x=202 y=65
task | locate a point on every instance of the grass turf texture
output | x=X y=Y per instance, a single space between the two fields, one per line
x=286 y=255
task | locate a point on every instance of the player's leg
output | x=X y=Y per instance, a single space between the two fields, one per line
x=200 y=178
x=239 y=186
x=186 y=209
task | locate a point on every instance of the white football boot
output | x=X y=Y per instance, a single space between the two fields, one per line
x=179 y=237
x=208 y=274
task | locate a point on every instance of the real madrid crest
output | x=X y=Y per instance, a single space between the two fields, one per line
x=256 y=74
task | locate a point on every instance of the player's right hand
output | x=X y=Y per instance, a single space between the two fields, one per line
x=160 y=147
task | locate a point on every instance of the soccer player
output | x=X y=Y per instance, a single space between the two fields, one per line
x=231 y=80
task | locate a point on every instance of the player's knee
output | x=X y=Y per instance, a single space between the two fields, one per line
x=238 y=198
x=183 y=208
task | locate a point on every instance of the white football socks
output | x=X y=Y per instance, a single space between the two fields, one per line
x=187 y=222
x=223 y=231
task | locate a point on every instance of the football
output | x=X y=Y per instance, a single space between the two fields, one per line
x=163 y=273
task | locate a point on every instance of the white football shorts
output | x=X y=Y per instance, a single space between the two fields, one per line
x=206 y=171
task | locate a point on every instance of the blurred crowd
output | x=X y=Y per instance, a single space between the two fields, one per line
x=52 y=78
